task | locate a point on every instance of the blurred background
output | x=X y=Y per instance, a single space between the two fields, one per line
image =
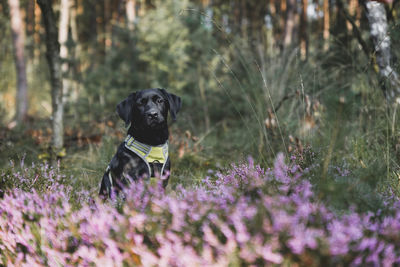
x=256 y=78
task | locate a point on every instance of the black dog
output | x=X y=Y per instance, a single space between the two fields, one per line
x=144 y=153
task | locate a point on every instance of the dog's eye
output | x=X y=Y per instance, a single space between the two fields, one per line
x=142 y=102
x=160 y=100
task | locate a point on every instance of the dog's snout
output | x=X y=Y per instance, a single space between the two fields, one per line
x=153 y=114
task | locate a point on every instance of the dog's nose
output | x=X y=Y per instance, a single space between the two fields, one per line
x=153 y=115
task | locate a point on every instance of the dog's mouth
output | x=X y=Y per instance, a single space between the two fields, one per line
x=154 y=122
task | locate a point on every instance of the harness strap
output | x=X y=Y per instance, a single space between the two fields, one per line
x=110 y=179
x=155 y=157
x=151 y=155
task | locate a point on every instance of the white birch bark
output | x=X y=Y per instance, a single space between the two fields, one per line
x=74 y=86
x=62 y=39
x=376 y=15
x=130 y=8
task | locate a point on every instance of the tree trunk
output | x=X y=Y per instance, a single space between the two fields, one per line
x=326 y=29
x=54 y=62
x=62 y=39
x=18 y=37
x=30 y=28
x=73 y=90
x=108 y=10
x=340 y=28
x=141 y=9
x=303 y=31
x=36 y=36
x=289 y=25
x=131 y=13
x=376 y=15
x=282 y=11
x=352 y=12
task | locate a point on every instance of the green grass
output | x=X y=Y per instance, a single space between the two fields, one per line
x=331 y=113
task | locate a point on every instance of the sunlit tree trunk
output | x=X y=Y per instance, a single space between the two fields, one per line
x=289 y=25
x=77 y=48
x=272 y=8
x=107 y=21
x=18 y=38
x=74 y=31
x=283 y=9
x=141 y=9
x=303 y=30
x=352 y=12
x=359 y=11
x=273 y=27
x=131 y=13
x=30 y=27
x=54 y=62
x=376 y=15
x=62 y=39
x=36 y=35
x=326 y=27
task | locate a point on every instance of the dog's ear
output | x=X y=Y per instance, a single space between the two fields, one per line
x=124 y=109
x=174 y=102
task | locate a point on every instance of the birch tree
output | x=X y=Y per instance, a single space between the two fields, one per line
x=131 y=13
x=18 y=39
x=377 y=19
x=62 y=39
x=54 y=62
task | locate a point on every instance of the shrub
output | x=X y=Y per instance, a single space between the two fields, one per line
x=247 y=216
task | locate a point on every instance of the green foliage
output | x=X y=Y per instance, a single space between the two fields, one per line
x=163 y=45
x=239 y=99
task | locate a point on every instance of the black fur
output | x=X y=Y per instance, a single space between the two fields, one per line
x=145 y=113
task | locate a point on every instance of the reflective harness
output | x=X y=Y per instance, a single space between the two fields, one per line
x=153 y=156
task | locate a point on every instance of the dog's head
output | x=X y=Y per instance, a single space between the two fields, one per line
x=149 y=108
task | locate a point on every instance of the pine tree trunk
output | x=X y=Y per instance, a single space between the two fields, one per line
x=54 y=62
x=289 y=25
x=326 y=27
x=352 y=12
x=340 y=29
x=282 y=10
x=18 y=37
x=303 y=31
x=376 y=15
